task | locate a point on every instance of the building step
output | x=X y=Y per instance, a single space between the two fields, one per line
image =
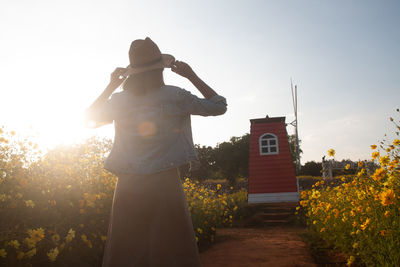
x=275 y=215
x=270 y=214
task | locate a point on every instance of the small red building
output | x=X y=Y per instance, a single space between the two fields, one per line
x=272 y=175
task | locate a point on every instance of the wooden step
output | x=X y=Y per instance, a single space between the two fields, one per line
x=275 y=215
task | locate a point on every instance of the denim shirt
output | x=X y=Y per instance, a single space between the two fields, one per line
x=153 y=131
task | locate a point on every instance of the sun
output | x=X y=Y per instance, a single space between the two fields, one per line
x=62 y=127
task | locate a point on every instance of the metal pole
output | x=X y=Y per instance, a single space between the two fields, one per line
x=297 y=133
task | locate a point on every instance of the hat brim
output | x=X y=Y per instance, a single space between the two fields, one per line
x=165 y=62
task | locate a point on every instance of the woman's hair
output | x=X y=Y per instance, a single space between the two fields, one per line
x=142 y=83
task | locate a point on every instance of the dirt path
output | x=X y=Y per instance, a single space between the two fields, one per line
x=272 y=246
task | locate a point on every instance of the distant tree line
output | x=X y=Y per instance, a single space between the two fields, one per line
x=312 y=168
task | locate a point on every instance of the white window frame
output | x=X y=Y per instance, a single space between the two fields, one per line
x=276 y=145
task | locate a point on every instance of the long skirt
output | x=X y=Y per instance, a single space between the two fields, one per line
x=150 y=224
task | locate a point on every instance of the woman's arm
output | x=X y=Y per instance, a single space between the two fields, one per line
x=186 y=71
x=92 y=113
x=115 y=81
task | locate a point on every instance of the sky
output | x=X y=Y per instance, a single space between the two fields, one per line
x=56 y=58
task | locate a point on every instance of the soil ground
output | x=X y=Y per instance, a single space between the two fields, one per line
x=271 y=246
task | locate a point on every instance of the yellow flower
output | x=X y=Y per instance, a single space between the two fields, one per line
x=55 y=238
x=84 y=238
x=218 y=186
x=336 y=212
x=396 y=142
x=355 y=245
x=31 y=253
x=387 y=197
x=52 y=254
x=199 y=230
x=14 y=244
x=70 y=235
x=375 y=155
x=360 y=164
x=347 y=166
x=373 y=146
x=350 y=261
x=36 y=235
x=384 y=160
x=3 y=197
x=29 y=203
x=331 y=152
x=3 y=253
x=379 y=174
x=31 y=243
x=387 y=213
x=365 y=224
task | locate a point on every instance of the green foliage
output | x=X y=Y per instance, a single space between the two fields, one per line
x=311 y=168
x=232 y=158
x=292 y=145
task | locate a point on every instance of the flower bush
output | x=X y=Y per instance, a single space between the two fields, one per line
x=361 y=216
x=55 y=207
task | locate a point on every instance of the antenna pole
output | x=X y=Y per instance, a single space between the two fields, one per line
x=295 y=124
x=297 y=133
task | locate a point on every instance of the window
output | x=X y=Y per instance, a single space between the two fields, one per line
x=269 y=144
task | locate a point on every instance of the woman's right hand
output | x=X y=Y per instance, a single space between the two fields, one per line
x=183 y=69
x=117 y=77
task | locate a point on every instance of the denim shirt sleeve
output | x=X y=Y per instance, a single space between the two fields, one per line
x=104 y=114
x=194 y=105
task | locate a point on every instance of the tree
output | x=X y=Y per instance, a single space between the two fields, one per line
x=292 y=144
x=207 y=168
x=311 y=168
x=232 y=158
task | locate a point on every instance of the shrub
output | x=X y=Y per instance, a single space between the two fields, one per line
x=55 y=207
x=361 y=216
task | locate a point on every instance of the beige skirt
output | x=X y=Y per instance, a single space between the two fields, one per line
x=150 y=223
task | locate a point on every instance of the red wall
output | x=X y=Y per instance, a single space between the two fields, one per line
x=270 y=173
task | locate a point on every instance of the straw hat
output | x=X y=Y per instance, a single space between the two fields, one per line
x=144 y=55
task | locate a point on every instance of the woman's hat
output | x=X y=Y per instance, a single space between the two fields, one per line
x=144 y=55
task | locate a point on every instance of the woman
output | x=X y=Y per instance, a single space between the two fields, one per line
x=150 y=224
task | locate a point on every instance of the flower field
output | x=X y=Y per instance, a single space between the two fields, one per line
x=361 y=216
x=55 y=207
